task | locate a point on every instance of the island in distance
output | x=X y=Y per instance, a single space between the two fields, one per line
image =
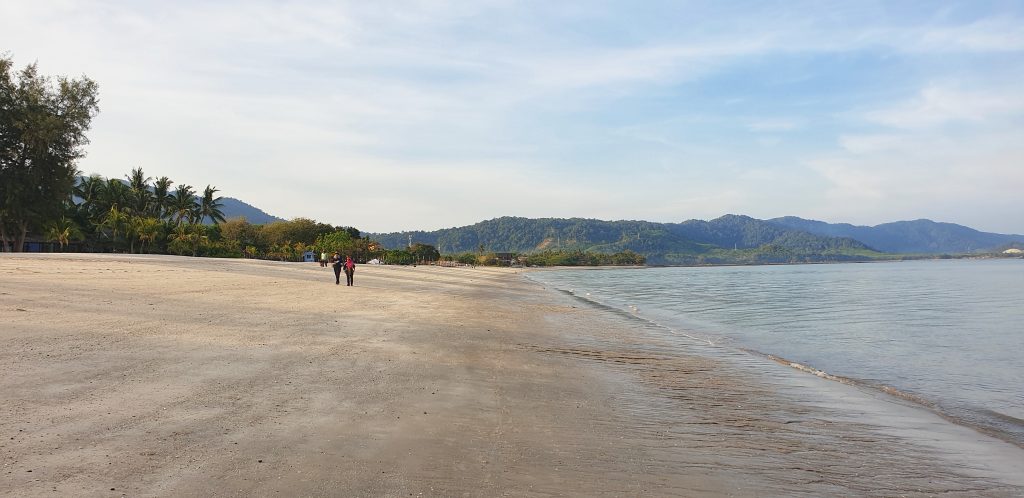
x=729 y=239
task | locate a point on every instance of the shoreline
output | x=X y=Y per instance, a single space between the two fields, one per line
x=162 y=375
x=969 y=257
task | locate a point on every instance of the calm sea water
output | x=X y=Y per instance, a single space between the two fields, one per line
x=947 y=334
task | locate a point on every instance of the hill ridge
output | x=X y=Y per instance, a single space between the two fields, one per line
x=913 y=236
x=730 y=238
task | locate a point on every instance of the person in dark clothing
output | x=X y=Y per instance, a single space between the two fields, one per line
x=336 y=262
x=350 y=270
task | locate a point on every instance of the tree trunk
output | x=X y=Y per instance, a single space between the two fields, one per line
x=19 y=244
x=3 y=237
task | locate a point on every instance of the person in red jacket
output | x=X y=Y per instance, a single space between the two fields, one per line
x=350 y=270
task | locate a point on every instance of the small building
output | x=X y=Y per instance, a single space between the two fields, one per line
x=504 y=258
x=309 y=257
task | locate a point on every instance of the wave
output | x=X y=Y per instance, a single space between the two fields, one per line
x=985 y=420
x=965 y=417
x=632 y=315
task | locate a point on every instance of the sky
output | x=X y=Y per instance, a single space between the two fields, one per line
x=420 y=115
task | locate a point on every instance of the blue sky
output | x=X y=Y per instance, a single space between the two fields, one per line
x=422 y=115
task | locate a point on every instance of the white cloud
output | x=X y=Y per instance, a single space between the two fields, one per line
x=998 y=34
x=870 y=143
x=447 y=112
x=965 y=178
x=936 y=106
x=774 y=124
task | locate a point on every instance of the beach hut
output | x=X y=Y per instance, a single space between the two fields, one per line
x=309 y=257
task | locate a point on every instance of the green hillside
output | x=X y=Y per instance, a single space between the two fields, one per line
x=917 y=236
x=725 y=240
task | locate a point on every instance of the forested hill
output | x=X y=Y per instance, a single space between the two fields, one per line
x=918 y=236
x=233 y=208
x=729 y=239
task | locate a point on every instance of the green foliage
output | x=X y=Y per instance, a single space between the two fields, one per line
x=583 y=258
x=183 y=204
x=42 y=133
x=209 y=206
x=424 y=252
x=238 y=234
x=63 y=231
x=908 y=237
x=397 y=257
x=730 y=239
x=302 y=230
x=466 y=258
x=340 y=241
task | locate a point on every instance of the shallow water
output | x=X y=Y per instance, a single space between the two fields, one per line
x=948 y=335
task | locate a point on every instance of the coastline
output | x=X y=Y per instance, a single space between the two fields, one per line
x=163 y=375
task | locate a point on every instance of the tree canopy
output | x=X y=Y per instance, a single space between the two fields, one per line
x=43 y=125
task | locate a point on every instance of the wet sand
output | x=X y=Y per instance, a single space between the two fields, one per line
x=172 y=376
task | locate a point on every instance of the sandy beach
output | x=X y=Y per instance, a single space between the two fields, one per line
x=176 y=376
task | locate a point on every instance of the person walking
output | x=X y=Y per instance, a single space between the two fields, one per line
x=336 y=262
x=323 y=259
x=350 y=270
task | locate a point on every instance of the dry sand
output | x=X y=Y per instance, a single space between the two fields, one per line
x=171 y=376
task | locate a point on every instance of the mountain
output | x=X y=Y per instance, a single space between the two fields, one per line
x=917 y=236
x=729 y=239
x=234 y=208
x=744 y=232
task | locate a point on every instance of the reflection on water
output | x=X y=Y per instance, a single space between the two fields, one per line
x=699 y=414
x=948 y=334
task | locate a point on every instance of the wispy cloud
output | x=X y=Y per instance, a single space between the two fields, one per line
x=774 y=124
x=608 y=109
x=936 y=106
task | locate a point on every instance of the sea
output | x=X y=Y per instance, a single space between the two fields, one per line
x=947 y=335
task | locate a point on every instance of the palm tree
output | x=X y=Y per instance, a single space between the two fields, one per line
x=209 y=206
x=89 y=189
x=114 y=220
x=138 y=182
x=115 y=194
x=63 y=231
x=183 y=203
x=179 y=238
x=130 y=224
x=188 y=235
x=198 y=236
x=161 y=197
x=147 y=230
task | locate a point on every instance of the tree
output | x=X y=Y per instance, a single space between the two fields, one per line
x=239 y=234
x=187 y=237
x=89 y=190
x=339 y=240
x=183 y=204
x=114 y=220
x=138 y=182
x=424 y=252
x=161 y=197
x=63 y=231
x=115 y=193
x=209 y=206
x=147 y=230
x=42 y=134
